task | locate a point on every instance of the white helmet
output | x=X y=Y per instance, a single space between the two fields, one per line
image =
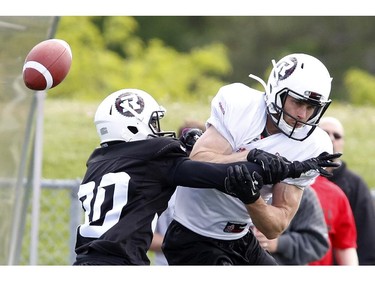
x=129 y=115
x=303 y=77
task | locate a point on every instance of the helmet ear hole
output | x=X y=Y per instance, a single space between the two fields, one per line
x=133 y=129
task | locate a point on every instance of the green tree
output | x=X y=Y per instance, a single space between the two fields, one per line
x=341 y=42
x=108 y=55
x=360 y=85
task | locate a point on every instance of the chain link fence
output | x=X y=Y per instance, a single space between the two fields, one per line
x=60 y=214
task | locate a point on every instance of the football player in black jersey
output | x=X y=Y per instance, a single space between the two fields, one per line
x=132 y=175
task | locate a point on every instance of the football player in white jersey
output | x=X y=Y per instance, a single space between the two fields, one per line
x=210 y=227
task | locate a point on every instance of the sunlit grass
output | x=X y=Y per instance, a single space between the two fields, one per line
x=70 y=135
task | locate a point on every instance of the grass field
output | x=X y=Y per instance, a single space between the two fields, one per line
x=70 y=135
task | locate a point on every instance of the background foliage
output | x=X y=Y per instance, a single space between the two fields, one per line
x=184 y=58
x=341 y=42
x=108 y=55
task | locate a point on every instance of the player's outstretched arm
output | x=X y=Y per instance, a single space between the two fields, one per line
x=277 y=168
x=318 y=164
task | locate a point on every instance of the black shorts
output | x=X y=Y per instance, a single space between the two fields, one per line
x=93 y=257
x=97 y=260
x=182 y=246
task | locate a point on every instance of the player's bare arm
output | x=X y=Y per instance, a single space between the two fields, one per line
x=346 y=256
x=213 y=147
x=273 y=219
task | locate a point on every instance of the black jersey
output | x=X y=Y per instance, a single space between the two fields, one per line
x=126 y=184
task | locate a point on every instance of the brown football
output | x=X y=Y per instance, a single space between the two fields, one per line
x=47 y=64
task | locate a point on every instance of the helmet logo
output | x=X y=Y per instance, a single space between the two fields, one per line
x=285 y=68
x=129 y=102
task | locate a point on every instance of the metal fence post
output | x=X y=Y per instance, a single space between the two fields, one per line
x=75 y=219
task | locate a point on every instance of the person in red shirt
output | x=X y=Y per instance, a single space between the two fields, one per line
x=357 y=191
x=340 y=222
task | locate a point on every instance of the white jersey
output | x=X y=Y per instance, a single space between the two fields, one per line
x=239 y=114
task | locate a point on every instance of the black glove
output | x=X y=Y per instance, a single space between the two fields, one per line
x=189 y=136
x=241 y=184
x=297 y=168
x=276 y=168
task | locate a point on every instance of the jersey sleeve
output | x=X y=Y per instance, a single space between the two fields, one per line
x=198 y=174
x=168 y=148
x=179 y=170
x=238 y=113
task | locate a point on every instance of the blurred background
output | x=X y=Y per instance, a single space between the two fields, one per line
x=182 y=61
x=218 y=49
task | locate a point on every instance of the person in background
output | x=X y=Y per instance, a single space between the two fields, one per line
x=357 y=191
x=187 y=125
x=306 y=238
x=340 y=222
x=188 y=134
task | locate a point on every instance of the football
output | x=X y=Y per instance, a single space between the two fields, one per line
x=47 y=64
